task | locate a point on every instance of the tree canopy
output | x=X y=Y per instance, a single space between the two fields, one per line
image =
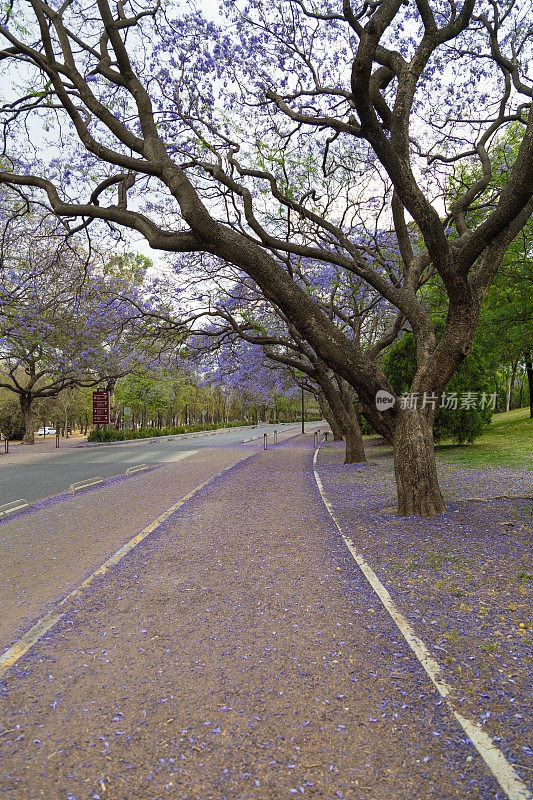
x=284 y=132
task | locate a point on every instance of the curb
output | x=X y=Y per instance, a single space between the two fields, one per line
x=138 y=468
x=13 y=507
x=81 y=485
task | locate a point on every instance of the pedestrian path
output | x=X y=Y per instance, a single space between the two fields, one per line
x=48 y=551
x=236 y=653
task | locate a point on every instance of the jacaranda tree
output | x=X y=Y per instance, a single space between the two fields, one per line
x=296 y=130
x=239 y=313
x=63 y=323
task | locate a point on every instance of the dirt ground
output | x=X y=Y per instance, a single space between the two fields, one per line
x=464 y=580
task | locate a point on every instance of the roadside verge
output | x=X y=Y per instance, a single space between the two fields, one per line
x=457 y=589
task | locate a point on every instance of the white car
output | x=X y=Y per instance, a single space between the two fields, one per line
x=46 y=432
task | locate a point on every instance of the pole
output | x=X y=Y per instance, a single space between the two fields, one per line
x=303 y=427
x=265 y=441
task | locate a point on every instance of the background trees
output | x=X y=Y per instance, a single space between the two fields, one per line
x=63 y=323
x=251 y=341
x=376 y=100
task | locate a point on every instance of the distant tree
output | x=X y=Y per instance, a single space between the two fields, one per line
x=62 y=323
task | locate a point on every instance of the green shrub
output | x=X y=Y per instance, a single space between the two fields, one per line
x=461 y=425
x=112 y=435
x=12 y=422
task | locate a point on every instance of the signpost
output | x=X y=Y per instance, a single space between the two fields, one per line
x=100 y=407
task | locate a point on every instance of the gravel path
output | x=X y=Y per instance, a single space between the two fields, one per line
x=236 y=653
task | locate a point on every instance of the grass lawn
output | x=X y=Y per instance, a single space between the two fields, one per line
x=507 y=442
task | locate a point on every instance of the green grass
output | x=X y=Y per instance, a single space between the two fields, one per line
x=507 y=442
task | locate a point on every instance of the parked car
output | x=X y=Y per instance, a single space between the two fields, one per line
x=46 y=432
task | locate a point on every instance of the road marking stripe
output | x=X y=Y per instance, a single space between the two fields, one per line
x=509 y=781
x=173 y=457
x=45 y=623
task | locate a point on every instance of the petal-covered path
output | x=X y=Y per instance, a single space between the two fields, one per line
x=235 y=653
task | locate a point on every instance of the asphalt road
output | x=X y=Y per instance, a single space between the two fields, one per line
x=51 y=476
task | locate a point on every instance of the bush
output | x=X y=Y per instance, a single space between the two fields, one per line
x=461 y=425
x=12 y=421
x=112 y=435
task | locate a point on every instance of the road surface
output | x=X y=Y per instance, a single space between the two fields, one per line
x=55 y=473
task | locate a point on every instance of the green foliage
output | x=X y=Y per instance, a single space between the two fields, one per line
x=366 y=427
x=506 y=320
x=112 y=435
x=461 y=425
x=11 y=419
x=129 y=266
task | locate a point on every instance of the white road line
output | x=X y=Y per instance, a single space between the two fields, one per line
x=45 y=623
x=176 y=456
x=509 y=781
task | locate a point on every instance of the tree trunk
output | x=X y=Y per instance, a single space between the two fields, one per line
x=514 y=367
x=529 y=370
x=25 y=405
x=355 y=448
x=330 y=418
x=414 y=465
x=338 y=399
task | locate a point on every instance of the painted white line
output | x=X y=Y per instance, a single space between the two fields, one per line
x=45 y=623
x=177 y=456
x=509 y=781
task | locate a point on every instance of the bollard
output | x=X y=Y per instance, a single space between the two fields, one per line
x=326 y=436
x=57 y=440
x=316 y=438
x=6 y=445
x=265 y=441
x=275 y=437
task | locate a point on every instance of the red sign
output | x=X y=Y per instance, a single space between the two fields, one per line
x=100 y=407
